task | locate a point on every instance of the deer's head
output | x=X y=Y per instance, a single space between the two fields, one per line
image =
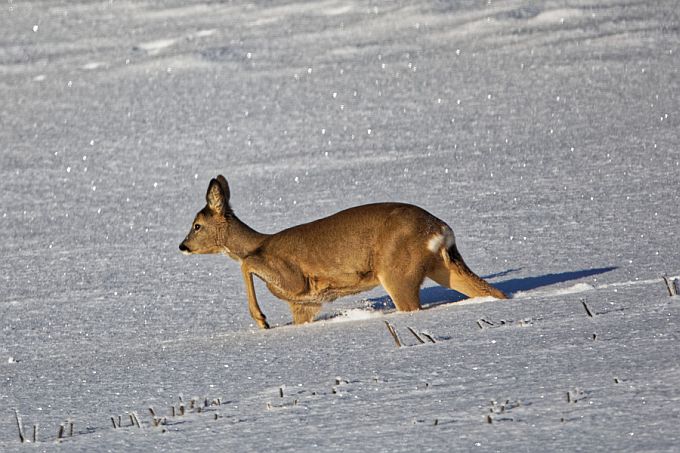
x=210 y=227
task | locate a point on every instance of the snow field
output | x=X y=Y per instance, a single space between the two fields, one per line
x=545 y=134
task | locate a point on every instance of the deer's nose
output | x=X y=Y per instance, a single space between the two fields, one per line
x=183 y=248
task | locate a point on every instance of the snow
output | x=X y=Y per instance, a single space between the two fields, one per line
x=545 y=134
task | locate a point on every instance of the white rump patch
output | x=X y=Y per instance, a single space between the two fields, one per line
x=435 y=242
x=445 y=238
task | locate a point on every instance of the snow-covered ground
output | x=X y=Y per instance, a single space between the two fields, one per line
x=544 y=133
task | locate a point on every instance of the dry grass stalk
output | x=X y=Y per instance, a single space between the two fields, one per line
x=19 y=426
x=670 y=286
x=135 y=420
x=590 y=313
x=420 y=340
x=428 y=336
x=393 y=332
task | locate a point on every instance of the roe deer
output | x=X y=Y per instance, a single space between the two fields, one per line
x=390 y=244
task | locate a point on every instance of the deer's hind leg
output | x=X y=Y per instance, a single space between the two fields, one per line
x=303 y=312
x=401 y=269
x=404 y=290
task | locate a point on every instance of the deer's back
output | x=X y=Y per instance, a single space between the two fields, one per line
x=351 y=238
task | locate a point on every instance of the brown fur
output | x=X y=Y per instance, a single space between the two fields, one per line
x=390 y=244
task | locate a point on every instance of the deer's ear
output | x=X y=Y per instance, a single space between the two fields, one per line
x=225 y=187
x=215 y=197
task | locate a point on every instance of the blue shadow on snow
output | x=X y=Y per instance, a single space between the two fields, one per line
x=437 y=295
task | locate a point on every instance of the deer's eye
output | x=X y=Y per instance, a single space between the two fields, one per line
x=197 y=227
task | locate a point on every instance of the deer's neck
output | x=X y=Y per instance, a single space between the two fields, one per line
x=241 y=240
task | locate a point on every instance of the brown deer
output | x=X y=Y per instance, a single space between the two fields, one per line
x=390 y=244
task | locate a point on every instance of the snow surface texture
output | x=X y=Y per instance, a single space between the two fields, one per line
x=544 y=133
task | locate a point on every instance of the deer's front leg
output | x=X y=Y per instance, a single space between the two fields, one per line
x=253 y=307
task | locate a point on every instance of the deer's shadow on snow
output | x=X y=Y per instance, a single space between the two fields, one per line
x=438 y=295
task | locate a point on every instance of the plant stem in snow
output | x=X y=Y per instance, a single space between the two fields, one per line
x=428 y=336
x=670 y=286
x=393 y=332
x=21 y=429
x=136 y=420
x=420 y=340
x=590 y=313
